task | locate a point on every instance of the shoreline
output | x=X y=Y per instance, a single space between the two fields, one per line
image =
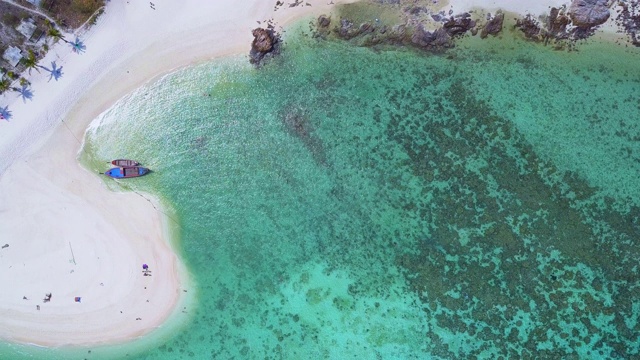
x=108 y=248
x=40 y=172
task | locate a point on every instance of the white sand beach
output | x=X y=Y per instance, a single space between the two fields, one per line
x=69 y=235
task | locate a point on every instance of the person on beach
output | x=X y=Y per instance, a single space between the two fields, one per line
x=145 y=270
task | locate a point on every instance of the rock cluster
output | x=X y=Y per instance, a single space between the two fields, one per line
x=265 y=42
x=437 y=31
x=436 y=40
x=459 y=25
x=414 y=34
x=558 y=21
x=324 y=21
x=629 y=20
x=589 y=13
x=578 y=22
x=529 y=27
x=493 y=26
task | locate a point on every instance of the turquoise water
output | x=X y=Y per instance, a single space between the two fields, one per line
x=344 y=203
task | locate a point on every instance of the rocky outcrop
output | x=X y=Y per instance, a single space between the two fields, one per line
x=265 y=42
x=416 y=34
x=557 y=22
x=324 y=21
x=629 y=20
x=589 y=13
x=437 y=40
x=493 y=26
x=576 y=23
x=529 y=27
x=347 y=30
x=459 y=25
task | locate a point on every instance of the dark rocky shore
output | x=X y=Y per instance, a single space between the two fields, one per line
x=421 y=26
x=629 y=20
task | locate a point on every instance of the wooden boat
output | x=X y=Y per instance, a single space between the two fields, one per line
x=124 y=162
x=127 y=172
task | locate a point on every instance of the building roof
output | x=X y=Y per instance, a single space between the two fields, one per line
x=12 y=55
x=26 y=28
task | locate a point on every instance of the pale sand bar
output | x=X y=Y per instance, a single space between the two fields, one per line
x=50 y=206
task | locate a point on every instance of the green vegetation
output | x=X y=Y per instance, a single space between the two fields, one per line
x=5 y=84
x=54 y=33
x=30 y=61
x=61 y=16
x=72 y=13
x=11 y=20
x=86 y=7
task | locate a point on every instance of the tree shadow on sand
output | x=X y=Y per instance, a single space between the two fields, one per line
x=55 y=72
x=77 y=46
x=24 y=92
x=5 y=114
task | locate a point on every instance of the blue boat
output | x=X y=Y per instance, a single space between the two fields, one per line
x=127 y=172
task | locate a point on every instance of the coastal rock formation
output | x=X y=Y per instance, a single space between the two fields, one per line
x=369 y=33
x=529 y=26
x=324 y=21
x=347 y=29
x=493 y=26
x=576 y=23
x=557 y=22
x=419 y=26
x=629 y=20
x=459 y=25
x=265 y=41
x=588 y=13
x=437 y=40
x=262 y=40
x=408 y=25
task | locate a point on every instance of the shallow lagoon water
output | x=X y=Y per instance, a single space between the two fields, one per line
x=343 y=202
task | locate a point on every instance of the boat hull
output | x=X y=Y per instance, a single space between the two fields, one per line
x=124 y=162
x=127 y=172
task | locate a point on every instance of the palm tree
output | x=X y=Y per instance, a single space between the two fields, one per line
x=30 y=62
x=77 y=45
x=5 y=84
x=55 y=33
